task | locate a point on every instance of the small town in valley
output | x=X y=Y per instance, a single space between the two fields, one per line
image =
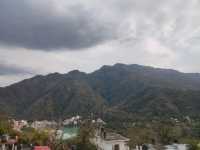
x=99 y=74
x=93 y=134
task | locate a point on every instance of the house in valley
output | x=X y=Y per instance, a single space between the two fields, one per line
x=110 y=141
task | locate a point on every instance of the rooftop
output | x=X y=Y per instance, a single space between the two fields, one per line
x=111 y=136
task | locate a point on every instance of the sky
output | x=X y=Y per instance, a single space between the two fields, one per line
x=46 y=36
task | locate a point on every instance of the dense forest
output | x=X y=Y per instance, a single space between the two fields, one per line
x=120 y=91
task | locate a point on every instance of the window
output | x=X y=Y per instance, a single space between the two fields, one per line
x=116 y=147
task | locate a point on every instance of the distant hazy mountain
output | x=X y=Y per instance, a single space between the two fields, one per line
x=116 y=91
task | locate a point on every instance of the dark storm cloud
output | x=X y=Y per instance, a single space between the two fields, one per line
x=13 y=70
x=38 y=25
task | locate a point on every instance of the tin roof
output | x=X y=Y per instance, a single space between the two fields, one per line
x=111 y=136
x=41 y=148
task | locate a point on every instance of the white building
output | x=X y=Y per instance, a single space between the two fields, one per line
x=166 y=147
x=100 y=121
x=72 y=121
x=43 y=124
x=176 y=147
x=18 y=125
x=110 y=141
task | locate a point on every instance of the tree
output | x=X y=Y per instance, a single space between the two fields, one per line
x=5 y=126
x=140 y=135
x=86 y=132
x=30 y=135
x=193 y=144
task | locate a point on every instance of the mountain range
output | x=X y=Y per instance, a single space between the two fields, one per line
x=118 y=91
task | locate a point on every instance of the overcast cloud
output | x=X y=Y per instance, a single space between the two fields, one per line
x=13 y=70
x=58 y=35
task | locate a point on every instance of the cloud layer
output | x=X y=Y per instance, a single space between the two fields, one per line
x=12 y=70
x=59 y=24
x=48 y=25
x=58 y=35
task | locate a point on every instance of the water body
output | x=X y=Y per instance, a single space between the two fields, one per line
x=69 y=132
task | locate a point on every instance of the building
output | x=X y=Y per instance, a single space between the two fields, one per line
x=72 y=121
x=110 y=141
x=41 y=148
x=100 y=121
x=6 y=142
x=176 y=147
x=166 y=147
x=43 y=124
x=18 y=125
